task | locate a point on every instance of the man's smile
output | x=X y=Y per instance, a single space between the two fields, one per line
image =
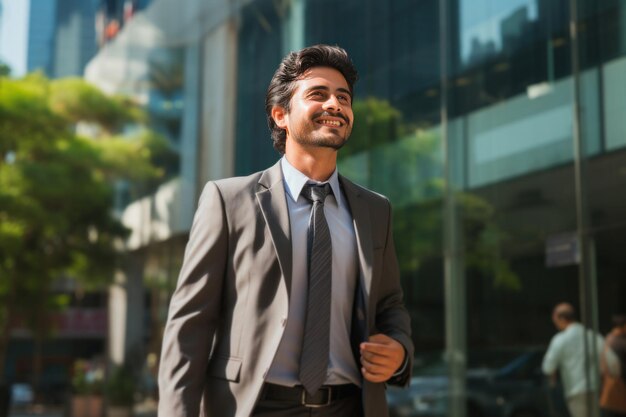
x=327 y=119
x=329 y=122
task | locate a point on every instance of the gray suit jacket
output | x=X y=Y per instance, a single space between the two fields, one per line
x=229 y=310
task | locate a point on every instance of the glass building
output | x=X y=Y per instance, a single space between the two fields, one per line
x=497 y=130
x=498 y=133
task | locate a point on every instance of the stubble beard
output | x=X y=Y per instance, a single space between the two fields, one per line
x=321 y=140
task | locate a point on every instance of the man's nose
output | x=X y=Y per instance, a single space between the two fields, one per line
x=332 y=103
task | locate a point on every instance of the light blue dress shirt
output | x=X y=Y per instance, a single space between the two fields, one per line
x=342 y=368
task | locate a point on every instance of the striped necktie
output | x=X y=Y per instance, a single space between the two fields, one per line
x=316 y=339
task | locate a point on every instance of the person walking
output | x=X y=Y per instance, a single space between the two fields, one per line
x=288 y=302
x=613 y=365
x=568 y=356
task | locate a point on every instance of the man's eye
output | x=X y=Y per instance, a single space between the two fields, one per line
x=344 y=98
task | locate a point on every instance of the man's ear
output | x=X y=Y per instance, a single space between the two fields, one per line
x=280 y=116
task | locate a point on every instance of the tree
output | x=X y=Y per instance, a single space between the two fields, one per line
x=5 y=70
x=57 y=191
x=405 y=162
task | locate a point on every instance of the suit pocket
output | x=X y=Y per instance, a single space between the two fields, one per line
x=225 y=367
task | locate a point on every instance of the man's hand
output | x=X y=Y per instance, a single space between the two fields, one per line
x=381 y=357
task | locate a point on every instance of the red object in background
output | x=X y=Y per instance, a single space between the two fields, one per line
x=81 y=322
x=111 y=29
x=73 y=323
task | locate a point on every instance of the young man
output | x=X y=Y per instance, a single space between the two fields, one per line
x=289 y=302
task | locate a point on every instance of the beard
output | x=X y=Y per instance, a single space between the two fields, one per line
x=322 y=141
x=309 y=136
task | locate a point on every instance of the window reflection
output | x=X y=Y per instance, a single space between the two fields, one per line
x=489 y=28
x=500 y=382
x=509 y=128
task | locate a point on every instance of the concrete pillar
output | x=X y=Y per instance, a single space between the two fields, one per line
x=126 y=312
x=219 y=105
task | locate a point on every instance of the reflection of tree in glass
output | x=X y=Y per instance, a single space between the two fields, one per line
x=56 y=193
x=166 y=70
x=375 y=123
x=406 y=164
x=418 y=230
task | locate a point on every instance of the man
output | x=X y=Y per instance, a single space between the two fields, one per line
x=566 y=354
x=287 y=307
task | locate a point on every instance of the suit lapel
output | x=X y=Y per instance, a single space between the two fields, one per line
x=363 y=230
x=273 y=204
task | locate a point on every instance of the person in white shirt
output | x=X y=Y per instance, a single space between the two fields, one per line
x=568 y=356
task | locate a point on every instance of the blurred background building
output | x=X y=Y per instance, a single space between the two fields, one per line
x=59 y=37
x=496 y=128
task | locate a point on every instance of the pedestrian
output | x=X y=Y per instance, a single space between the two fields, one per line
x=288 y=301
x=576 y=364
x=613 y=365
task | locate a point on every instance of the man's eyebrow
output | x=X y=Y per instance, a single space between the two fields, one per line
x=344 y=90
x=325 y=88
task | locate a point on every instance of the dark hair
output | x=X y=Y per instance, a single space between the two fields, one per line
x=293 y=66
x=565 y=311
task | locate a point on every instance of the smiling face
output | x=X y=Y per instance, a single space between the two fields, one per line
x=320 y=112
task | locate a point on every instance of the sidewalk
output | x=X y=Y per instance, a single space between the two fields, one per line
x=147 y=408
x=38 y=411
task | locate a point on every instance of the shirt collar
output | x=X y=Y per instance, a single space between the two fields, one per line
x=295 y=181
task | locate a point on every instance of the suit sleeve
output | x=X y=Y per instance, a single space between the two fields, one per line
x=392 y=317
x=194 y=310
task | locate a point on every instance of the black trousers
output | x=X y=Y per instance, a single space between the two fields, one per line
x=345 y=407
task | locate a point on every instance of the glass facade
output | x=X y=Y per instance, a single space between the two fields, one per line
x=496 y=129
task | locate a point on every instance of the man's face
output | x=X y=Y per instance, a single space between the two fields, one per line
x=559 y=323
x=555 y=320
x=321 y=110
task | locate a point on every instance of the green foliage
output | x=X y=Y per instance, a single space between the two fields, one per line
x=56 y=187
x=133 y=157
x=77 y=101
x=407 y=165
x=5 y=70
x=418 y=229
x=376 y=122
x=120 y=386
x=87 y=379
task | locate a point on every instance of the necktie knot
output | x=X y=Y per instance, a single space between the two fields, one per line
x=316 y=192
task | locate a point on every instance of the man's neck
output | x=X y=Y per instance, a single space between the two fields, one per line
x=568 y=324
x=317 y=164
